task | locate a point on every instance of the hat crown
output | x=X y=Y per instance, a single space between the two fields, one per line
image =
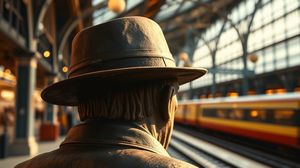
x=122 y=51
x=119 y=39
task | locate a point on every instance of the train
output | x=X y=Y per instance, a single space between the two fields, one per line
x=269 y=118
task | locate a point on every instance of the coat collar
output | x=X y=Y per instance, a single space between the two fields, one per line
x=114 y=133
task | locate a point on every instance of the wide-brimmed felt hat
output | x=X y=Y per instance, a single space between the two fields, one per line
x=124 y=50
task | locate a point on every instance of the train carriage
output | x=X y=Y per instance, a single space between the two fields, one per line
x=272 y=118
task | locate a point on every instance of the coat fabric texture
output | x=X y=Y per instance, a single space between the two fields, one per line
x=106 y=144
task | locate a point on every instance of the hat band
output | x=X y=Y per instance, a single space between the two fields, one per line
x=157 y=62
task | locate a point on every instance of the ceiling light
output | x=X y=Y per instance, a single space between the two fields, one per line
x=116 y=6
x=46 y=54
x=65 y=69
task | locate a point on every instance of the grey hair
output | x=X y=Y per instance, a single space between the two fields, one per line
x=133 y=103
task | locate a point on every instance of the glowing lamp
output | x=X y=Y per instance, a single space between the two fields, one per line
x=253 y=58
x=254 y=113
x=183 y=56
x=116 y=6
x=46 y=54
x=65 y=69
x=233 y=94
x=7 y=95
x=7 y=71
x=280 y=91
x=269 y=91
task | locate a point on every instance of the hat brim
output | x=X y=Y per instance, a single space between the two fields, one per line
x=66 y=92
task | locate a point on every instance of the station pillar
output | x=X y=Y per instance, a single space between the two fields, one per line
x=51 y=110
x=49 y=130
x=24 y=142
x=289 y=82
x=223 y=91
x=260 y=87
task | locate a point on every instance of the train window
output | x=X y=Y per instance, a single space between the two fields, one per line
x=221 y=114
x=257 y=115
x=236 y=114
x=254 y=113
x=209 y=112
x=284 y=116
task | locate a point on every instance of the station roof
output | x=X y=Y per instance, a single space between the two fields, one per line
x=174 y=16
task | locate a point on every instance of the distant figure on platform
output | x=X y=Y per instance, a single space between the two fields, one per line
x=124 y=81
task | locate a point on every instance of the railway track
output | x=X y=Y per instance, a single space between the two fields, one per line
x=204 y=154
x=207 y=151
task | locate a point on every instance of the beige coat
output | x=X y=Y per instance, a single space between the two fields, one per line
x=106 y=144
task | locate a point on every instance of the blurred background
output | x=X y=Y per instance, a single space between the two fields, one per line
x=251 y=49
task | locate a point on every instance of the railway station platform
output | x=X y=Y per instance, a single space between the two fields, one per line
x=11 y=161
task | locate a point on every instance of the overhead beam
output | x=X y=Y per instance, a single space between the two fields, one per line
x=86 y=13
x=41 y=16
x=219 y=70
